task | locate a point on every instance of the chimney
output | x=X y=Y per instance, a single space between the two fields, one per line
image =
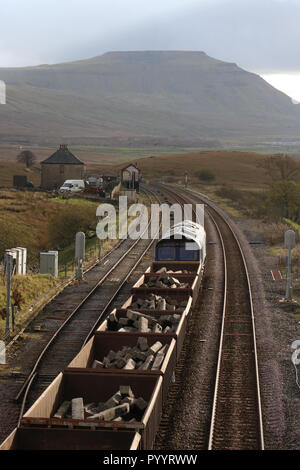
x=63 y=147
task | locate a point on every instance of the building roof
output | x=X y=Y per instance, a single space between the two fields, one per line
x=63 y=157
x=130 y=164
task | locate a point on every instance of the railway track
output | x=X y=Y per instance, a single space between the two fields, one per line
x=232 y=395
x=80 y=324
x=236 y=416
x=168 y=435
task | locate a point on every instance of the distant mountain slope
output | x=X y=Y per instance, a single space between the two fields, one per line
x=146 y=96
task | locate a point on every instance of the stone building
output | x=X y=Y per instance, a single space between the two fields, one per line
x=130 y=176
x=61 y=166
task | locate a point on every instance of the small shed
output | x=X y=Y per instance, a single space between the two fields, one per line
x=130 y=176
x=19 y=181
x=59 y=167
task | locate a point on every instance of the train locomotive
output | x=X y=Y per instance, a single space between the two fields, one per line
x=183 y=242
x=111 y=396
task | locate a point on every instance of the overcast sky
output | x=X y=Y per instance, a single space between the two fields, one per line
x=261 y=36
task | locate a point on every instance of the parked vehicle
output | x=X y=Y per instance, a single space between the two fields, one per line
x=90 y=189
x=73 y=186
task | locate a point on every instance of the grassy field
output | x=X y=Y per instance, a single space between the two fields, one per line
x=98 y=160
x=239 y=169
x=25 y=220
x=26 y=289
x=8 y=170
x=236 y=168
x=92 y=153
x=100 y=163
x=25 y=217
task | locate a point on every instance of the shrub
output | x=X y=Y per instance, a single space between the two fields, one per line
x=70 y=219
x=284 y=200
x=229 y=192
x=206 y=175
x=253 y=203
x=274 y=233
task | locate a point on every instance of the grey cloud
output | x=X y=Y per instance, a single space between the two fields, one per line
x=259 y=35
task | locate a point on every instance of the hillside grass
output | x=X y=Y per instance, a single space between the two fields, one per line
x=229 y=167
x=25 y=217
x=239 y=169
x=9 y=169
x=143 y=96
x=30 y=290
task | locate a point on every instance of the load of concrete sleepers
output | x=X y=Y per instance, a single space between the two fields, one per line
x=120 y=379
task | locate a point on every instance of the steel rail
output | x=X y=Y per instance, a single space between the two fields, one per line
x=216 y=388
x=258 y=397
x=62 y=288
x=258 y=393
x=70 y=317
x=106 y=307
x=33 y=374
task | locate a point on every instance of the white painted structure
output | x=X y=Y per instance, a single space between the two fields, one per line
x=2 y=352
x=130 y=173
x=2 y=92
x=19 y=256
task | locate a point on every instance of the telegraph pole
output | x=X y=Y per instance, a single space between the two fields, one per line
x=99 y=253
x=9 y=266
x=79 y=254
x=289 y=243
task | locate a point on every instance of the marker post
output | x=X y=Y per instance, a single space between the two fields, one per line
x=289 y=243
x=79 y=254
x=9 y=266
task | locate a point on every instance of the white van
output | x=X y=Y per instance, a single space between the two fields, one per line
x=73 y=186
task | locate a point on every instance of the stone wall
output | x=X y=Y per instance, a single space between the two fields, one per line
x=53 y=176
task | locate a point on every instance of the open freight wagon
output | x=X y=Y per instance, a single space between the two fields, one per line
x=95 y=387
x=42 y=438
x=42 y=427
x=103 y=342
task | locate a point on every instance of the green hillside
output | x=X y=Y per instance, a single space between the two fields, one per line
x=143 y=97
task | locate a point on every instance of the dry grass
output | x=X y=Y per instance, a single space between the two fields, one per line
x=274 y=233
x=9 y=169
x=95 y=164
x=239 y=169
x=26 y=290
x=24 y=219
x=229 y=167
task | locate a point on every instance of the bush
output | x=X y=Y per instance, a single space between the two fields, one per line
x=229 y=192
x=253 y=203
x=13 y=234
x=274 y=233
x=70 y=219
x=284 y=200
x=206 y=175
